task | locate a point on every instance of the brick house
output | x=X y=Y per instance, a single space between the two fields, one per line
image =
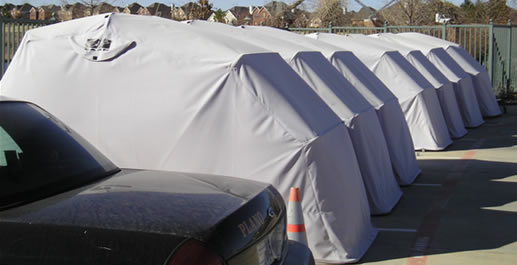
x=49 y=12
x=259 y=16
x=69 y=12
x=105 y=8
x=23 y=12
x=239 y=15
x=159 y=10
x=33 y=13
x=178 y=13
x=143 y=11
x=132 y=9
x=183 y=12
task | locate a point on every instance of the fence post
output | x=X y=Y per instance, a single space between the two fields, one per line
x=491 y=50
x=385 y=26
x=509 y=58
x=330 y=27
x=444 y=31
x=2 y=47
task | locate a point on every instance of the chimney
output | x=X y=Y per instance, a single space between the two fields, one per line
x=251 y=10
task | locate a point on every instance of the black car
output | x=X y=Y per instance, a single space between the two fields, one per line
x=63 y=202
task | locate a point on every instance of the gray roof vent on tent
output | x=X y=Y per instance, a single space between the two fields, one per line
x=100 y=44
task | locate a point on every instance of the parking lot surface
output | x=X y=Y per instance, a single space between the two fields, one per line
x=462 y=209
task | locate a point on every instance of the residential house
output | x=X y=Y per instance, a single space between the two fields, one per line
x=77 y=10
x=132 y=9
x=105 y=8
x=159 y=10
x=259 y=16
x=184 y=12
x=211 y=18
x=48 y=12
x=33 y=13
x=367 y=17
x=143 y=11
x=6 y=10
x=275 y=13
x=178 y=13
x=239 y=15
x=22 y=11
x=315 y=22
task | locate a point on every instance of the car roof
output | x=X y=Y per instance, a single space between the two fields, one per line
x=3 y=99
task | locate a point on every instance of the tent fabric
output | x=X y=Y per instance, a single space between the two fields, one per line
x=358 y=115
x=444 y=88
x=462 y=81
x=183 y=99
x=482 y=85
x=422 y=109
x=393 y=123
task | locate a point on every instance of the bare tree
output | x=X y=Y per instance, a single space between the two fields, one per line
x=330 y=11
x=411 y=9
x=201 y=10
x=284 y=15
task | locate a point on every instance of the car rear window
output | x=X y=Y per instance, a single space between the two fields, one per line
x=40 y=156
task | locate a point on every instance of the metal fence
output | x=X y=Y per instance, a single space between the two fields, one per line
x=490 y=45
x=11 y=34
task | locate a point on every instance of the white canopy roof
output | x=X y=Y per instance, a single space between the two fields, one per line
x=445 y=90
x=359 y=116
x=483 y=86
x=157 y=94
x=416 y=95
x=400 y=145
x=462 y=82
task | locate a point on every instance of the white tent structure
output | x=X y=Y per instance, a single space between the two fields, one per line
x=357 y=114
x=461 y=81
x=394 y=125
x=443 y=86
x=157 y=94
x=482 y=85
x=417 y=97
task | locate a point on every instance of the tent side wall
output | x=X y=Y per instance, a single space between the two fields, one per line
x=483 y=87
x=342 y=210
x=322 y=166
x=463 y=86
x=418 y=101
x=444 y=91
x=365 y=130
x=391 y=117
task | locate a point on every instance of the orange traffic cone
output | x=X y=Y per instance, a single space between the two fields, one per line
x=295 y=223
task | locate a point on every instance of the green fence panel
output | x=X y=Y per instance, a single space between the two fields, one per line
x=11 y=35
x=513 y=68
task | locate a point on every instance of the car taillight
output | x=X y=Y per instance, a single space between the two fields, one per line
x=194 y=253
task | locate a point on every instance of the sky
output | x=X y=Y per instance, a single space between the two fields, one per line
x=223 y=4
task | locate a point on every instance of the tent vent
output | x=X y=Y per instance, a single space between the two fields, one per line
x=97 y=45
